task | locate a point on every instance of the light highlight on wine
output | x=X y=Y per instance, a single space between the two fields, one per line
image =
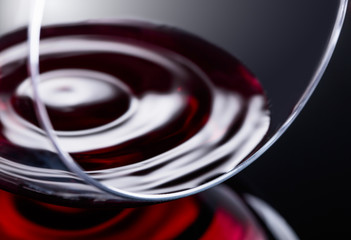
x=142 y=107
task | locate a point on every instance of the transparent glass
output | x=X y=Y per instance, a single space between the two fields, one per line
x=285 y=44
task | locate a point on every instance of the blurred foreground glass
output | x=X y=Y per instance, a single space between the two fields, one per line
x=146 y=98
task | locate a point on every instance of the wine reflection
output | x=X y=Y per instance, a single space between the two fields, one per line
x=216 y=214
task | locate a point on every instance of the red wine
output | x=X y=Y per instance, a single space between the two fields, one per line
x=146 y=107
x=206 y=217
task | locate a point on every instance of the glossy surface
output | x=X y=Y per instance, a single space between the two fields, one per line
x=149 y=108
x=218 y=213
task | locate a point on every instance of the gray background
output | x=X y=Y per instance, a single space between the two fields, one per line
x=306 y=175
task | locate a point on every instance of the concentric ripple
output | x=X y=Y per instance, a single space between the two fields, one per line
x=142 y=107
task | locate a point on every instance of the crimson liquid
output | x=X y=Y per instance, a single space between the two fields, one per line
x=149 y=107
x=218 y=214
x=132 y=101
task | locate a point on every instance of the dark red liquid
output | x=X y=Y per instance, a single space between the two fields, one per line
x=188 y=218
x=150 y=108
x=161 y=67
x=120 y=94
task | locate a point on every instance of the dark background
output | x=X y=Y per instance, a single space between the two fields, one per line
x=306 y=175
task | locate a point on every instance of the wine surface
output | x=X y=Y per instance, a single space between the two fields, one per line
x=144 y=107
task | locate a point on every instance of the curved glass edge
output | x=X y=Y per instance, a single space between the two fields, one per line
x=334 y=36
x=34 y=39
x=273 y=221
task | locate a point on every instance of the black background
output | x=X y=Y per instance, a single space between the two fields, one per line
x=306 y=175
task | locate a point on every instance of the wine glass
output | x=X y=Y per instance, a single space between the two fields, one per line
x=180 y=160
x=146 y=101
